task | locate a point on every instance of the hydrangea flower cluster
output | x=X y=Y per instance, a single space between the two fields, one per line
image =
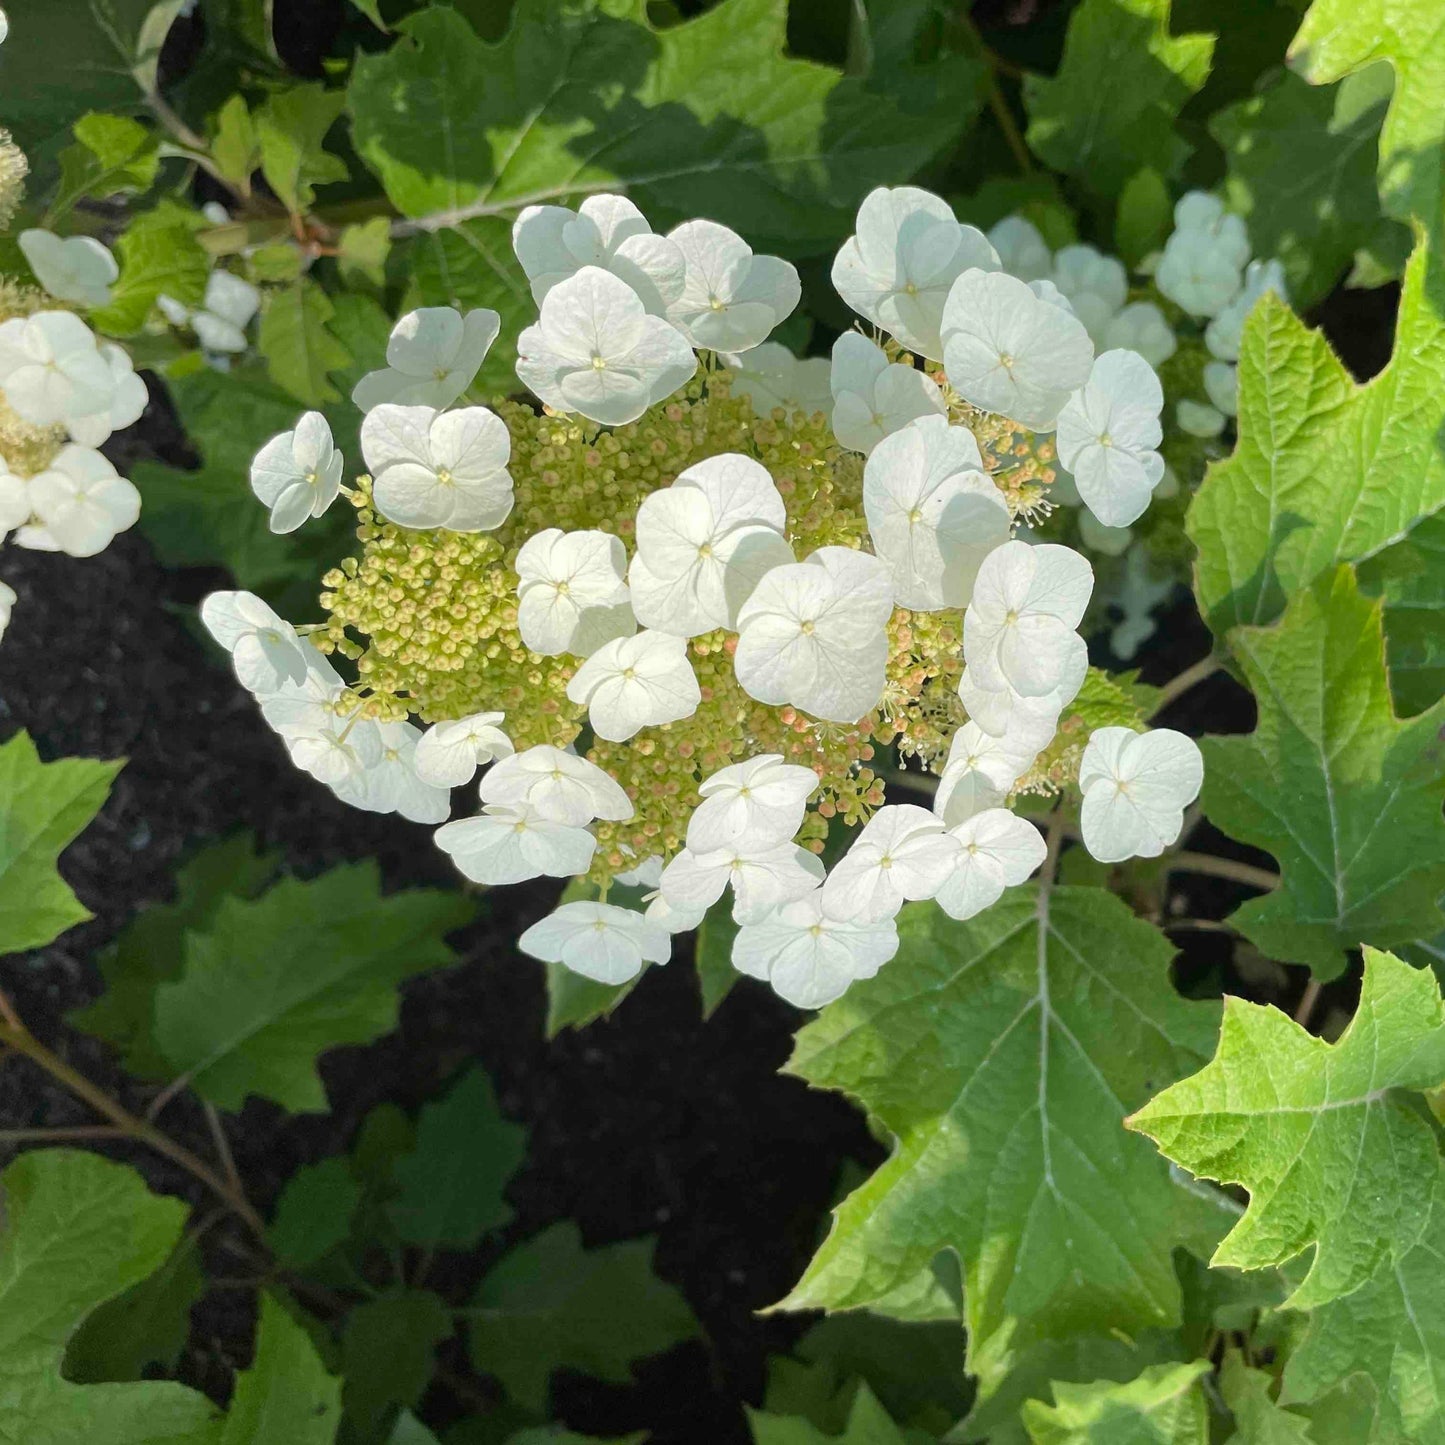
x=63 y=392
x=674 y=611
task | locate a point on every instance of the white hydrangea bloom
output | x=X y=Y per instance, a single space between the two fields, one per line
x=77 y=269
x=15 y=509
x=439 y=469
x=982 y=769
x=298 y=473
x=704 y=543
x=608 y=232
x=597 y=940
x=128 y=399
x=512 y=842
x=1004 y=712
x=1095 y=285
x=1107 y=432
x=1108 y=541
x=225 y=312
x=597 y=351
x=808 y=957
x=1221 y=382
x=1022 y=250
x=1136 y=787
x=336 y=748
x=557 y=785
x=448 y=754
x=814 y=634
x=897 y=269
x=1196 y=274
x=636 y=682
x=902 y=854
x=762 y=877
x=4 y=26
x=1009 y=351
x=873 y=398
x=81 y=502
x=391 y=784
x=934 y=514
x=572 y=596
x=8 y=598
x=1141 y=327
x=770 y=376
x=265 y=649
x=51 y=368
x=1204 y=214
x=997 y=850
x=731 y=299
x=1018 y=630
x=1199 y=419
x=671 y=918
x=647 y=874
x=432 y=357
x=760 y=800
x=1225 y=333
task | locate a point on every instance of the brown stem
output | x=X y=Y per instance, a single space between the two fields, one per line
x=70 y=1133
x=1307 y=1003
x=1177 y=686
x=1236 y=872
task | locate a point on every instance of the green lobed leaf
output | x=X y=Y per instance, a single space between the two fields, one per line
x=314 y=1212
x=1333 y=1157
x=1338 y=37
x=1111 y=109
x=78 y=1231
x=1324 y=471
x=705 y=117
x=114 y=154
x=1345 y=795
x=362 y=251
x=1001 y=1054
x=298 y=345
x=235 y=146
x=290 y=129
x=159 y=255
x=868 y=1424
x=1164 y=1406
x=43 y=806
x=270 y=984
x=388 y=1355
x=551 y=1305
x=1410 y=577
x=449 y=1188
x=1258 y=1420
x=149 y=950
x=286 y=1397
x=1302 y=173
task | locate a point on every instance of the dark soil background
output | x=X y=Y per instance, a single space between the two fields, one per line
x=652 y=1122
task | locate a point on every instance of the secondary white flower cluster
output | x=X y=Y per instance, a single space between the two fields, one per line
x=623 y=313
x=219 y=323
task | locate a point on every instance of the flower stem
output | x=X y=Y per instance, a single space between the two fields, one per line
x=1176 y=687
x=1236 y=872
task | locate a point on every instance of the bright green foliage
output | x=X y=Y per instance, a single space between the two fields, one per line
x=1110 y=110
x=573 y=1002
x=286 y=1397
x=114 y=154
x=714 y=954
x=550 y=1305
x=1002 y=1054
x=1324 y=471
x=235 y=146
x=150 y=950
x=1341 y=36
x=363 y=250
x=1410 y=576
x=159 y=256
x=297 y=343
x=868 y=1424
x=1332 y=1158
x=1258 y=1420
x=1145 y=216
x=1343 y=794
x=450 y=1187
x=1302 y=173
x=42 y=808
x=147 y=1325
x=78 y=1231
x=290 y=128
x=1392 y=1331
x=306 y=967
x=313 y=1214
x=388 y=1356
x=1164 y=1406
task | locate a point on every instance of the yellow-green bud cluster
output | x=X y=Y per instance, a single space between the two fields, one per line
x=430 y=618
x=13 y=169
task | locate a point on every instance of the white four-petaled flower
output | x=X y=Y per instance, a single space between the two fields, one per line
x=731 y=299
x=1136 y=787
x=557 y=785
x=761 y=800
x=873 y=398
x=598 y=940
x=51 y=368
x=636 y=682
x=982 y=767
x=298 y=473
x=1022 y=250
x=572 y=594
x=80 y=503
x=265 y=649
x=512 y=842
x=902 y=854
x=997 y=850
x=771 y=377
x=1141 y=327
x=448 y=754
x=1095 y=285
x=77 y=269
x=432 y=357
x=761 y=875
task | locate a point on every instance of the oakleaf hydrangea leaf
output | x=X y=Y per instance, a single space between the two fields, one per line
x=1001 y=1054
x=1340 y=36
x=1391 y=1332
x=1345 y=795
x=1324 y=471
x=1410 y=578
x=298 y=344
x=388 y=1355
x=1332 y=1157
x=1164 y=1406
x=550 y=1305
x=1258 y=1420
x=42 y=808
x=314 y=1212
x=1110 y=110
x=78 y=1231
x=270 y=984
x=286 y=1397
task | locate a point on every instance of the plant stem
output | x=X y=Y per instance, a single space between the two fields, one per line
x=998 y=104
x=16 y=1036
x=77 y=1133
x=1307 y=1003
x=1229 y=868
x=1177 y=686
